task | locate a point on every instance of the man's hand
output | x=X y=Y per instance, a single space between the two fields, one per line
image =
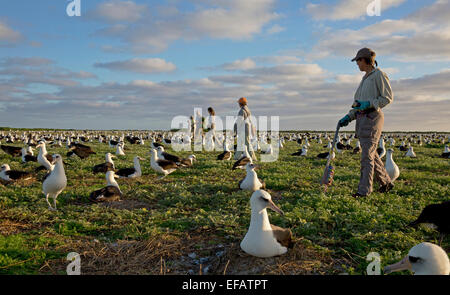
x=361 y=105
x=344 y=121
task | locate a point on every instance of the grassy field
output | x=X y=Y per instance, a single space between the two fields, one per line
x=192 y=221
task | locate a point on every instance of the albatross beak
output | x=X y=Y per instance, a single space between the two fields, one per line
x=274 y=207
x=401 y=265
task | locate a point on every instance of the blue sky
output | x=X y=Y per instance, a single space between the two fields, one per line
x=136 y=64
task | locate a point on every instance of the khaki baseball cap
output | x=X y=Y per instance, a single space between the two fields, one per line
x=365 y=52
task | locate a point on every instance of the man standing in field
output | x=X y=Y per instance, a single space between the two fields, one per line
x=374 y=93
x=243 y=128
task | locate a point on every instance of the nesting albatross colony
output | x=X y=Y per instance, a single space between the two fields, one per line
x=150 y=209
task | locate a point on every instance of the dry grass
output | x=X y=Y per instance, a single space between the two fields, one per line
x=10 y=227
x=168 y=254
x=301 y=259
x=128 y=204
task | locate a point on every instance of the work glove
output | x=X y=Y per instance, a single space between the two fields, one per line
x=344 y=121
x=361 y=105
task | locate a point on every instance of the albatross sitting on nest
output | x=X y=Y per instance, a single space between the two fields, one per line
x=166 y=156
x=8 y=175
x=131 y=172
x=119 y=149
x=410 y=153
x=111 y=192
x=264 y=239
x=11 y=150
x=162 y=166
x=302 y=152
x=189 y=161
x=243 y=160
x=226 y=155
x=104 y=167
x=26 y=157
x=81 y=150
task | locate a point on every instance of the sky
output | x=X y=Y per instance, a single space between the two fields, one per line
x=138 y=64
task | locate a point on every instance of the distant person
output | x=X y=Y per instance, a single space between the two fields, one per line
x=198 y=129
x=211 y=124
x=191 y=127
x=210 y=136
x=243 y=125
x=374 y=93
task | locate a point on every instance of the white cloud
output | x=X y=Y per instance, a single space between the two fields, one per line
x=421 y=36
x=391 y=71
x=119 y=11
x=244 y=64
x=278 y=59
x=236 y=19
x=25 y=61
x=349 y=79
x=305 y=96
x=139 y=65
x=8 y=36
x=346 y=9
x=231 y=19
x=275 y=29
x=21 y=73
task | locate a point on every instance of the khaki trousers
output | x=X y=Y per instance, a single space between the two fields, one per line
x=368 y=130
x=244 y=140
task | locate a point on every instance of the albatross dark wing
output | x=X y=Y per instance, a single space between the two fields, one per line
x=241 y=162
x=299 y=153
x=283 y=236
x=107 y=194
x=224 y=156
x=240 y=182
x=165 y=164
x=186 y=162
x=437 y=214
x=15 y=175
x=83 y=152
x=323 y=155
x=125 y=172
x=170 y=157
x=12 y=150
x=104 y=167
x=49 y=158
x=30 y=158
